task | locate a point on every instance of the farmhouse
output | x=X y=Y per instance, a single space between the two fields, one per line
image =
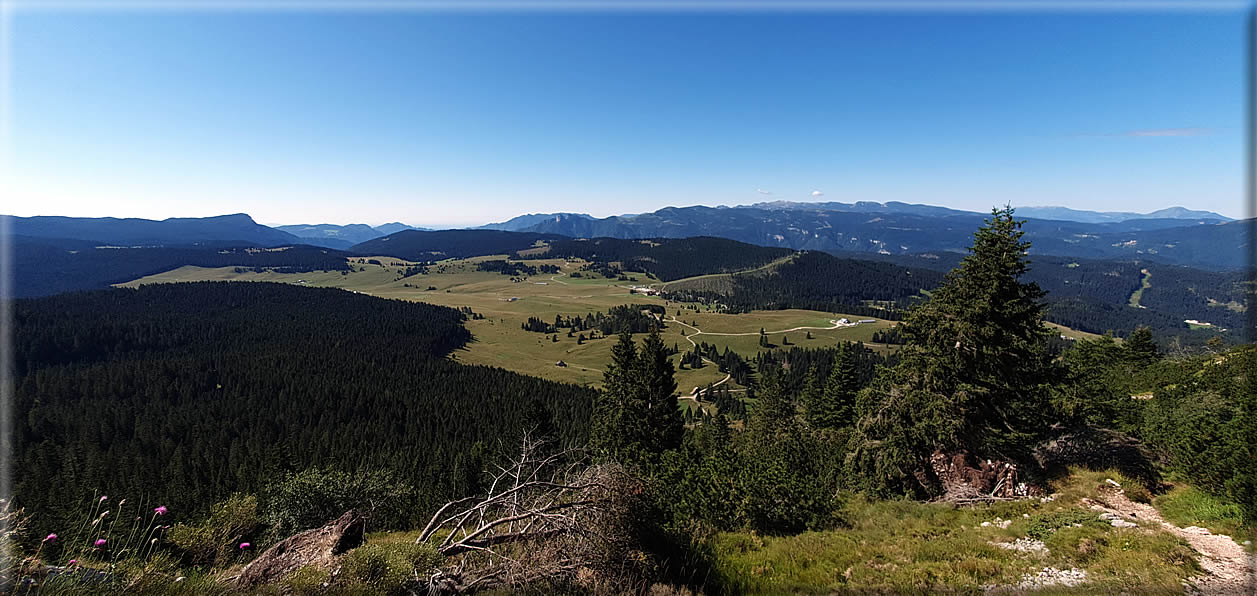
x=646 y=291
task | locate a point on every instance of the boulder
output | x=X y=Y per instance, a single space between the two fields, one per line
x=320 y=547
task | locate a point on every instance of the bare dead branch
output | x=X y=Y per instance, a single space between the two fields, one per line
x=547 y=515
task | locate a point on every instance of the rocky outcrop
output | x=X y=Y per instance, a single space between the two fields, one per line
x=320 y=547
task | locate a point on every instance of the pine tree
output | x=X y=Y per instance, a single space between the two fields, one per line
x=1243 y=483
x=834 y=407
x=619 y=413
x=974 y=375
x=775 y=408
x=812 y=391
x=656 y=376
x=1139 y=347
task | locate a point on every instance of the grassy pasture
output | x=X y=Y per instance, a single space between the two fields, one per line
x=499 y=339
x=919 y=548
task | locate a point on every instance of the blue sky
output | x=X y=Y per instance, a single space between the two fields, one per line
x=457 y=119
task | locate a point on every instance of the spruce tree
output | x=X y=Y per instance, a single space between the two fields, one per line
x=974 y=374
x=656 y=377
x=619 y=413
x=834 y=407
x=1139 y=347
x=775 y=410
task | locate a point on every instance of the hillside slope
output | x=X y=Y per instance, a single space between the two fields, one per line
x=421 y=245
x=238 y=229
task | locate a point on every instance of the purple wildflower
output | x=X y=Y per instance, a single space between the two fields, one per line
x=245 y=545
x=100 y=542
x=51 y=538
x=160 y=510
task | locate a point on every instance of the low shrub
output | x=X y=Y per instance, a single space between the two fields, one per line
x=387 y=568
x=215 y=541
x=313 y=497
x=1042 y=526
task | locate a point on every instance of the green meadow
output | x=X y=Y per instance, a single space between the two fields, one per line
x=499 y=340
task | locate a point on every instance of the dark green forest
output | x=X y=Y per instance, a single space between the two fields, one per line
x=422 y=245
x=44 y=266
x=666 y=258
x=185 y=393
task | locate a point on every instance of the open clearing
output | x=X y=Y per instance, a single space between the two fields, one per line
x=1145 y=282
x=499 y=340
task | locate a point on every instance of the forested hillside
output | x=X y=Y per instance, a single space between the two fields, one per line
x=44 y=266
x=182 y=394
x=818 y=281
x=426 y=245
x=668 y=258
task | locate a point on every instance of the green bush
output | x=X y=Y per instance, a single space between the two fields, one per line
x=307 y=580
x=1042 y=526
x=214 y=541
x=387 y=568
x=314 y=497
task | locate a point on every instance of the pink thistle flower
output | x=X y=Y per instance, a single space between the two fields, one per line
x=100 y=542
x=160 y=510
x=103 y=498
x=74 y=562
x=245 y=545
x=51 y=538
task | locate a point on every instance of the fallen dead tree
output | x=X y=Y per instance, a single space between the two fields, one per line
x=547 y=517
x=966 y=479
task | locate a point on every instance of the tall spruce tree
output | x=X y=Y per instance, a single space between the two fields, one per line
x=617 y=430
x=974 y=374
x=656 y=378
x=1140 y=348
x=834 y=407
x=637 y=415
x=775 y=409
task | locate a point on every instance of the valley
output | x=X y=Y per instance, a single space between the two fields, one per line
x=498 y=339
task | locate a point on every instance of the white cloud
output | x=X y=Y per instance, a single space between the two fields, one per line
x=817 y=193
x=763 y=192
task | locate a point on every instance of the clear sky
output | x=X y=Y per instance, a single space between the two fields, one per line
x=449 y=119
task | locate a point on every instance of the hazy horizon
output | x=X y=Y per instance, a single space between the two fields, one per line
x=505 y=218
x=447 y=120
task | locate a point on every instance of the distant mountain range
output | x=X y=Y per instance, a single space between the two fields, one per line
x=521 y=222
x=1067 y=214
x=909 y=229
x=341 y=237
x=237 y=229
x=1056 y=213
x=1175 y=235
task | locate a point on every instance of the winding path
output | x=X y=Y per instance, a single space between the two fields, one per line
x=1228 y=569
